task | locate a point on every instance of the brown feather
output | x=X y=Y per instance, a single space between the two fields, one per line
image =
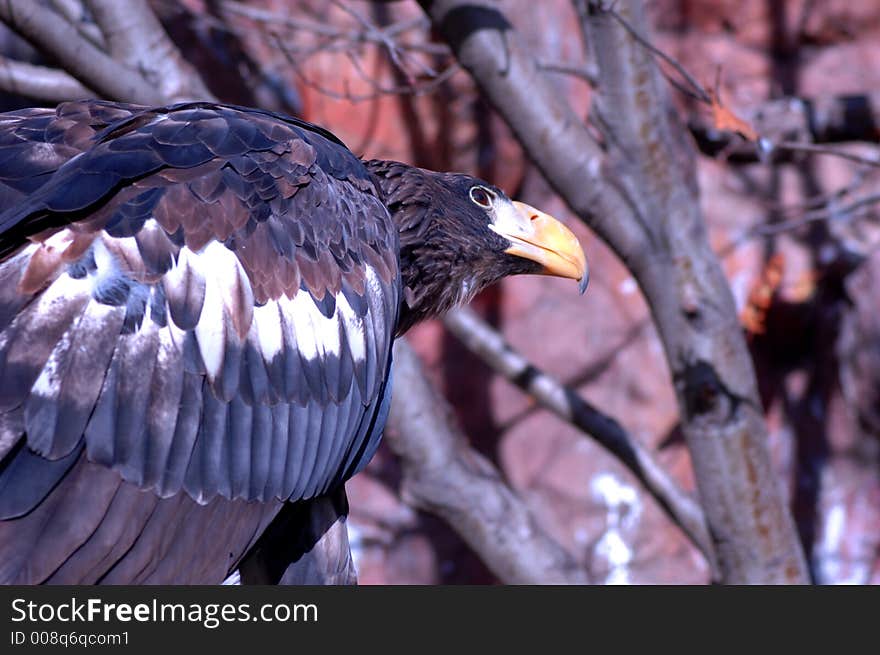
x=45 y=263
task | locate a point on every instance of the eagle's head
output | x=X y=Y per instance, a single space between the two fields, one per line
x=459 y=234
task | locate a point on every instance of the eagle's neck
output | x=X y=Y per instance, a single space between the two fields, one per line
x=434 y=281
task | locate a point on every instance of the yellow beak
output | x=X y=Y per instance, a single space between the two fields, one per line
x=545 y=240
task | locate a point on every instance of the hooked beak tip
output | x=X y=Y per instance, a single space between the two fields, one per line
x=584 y=282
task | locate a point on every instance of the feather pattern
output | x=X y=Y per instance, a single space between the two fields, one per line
x=196 y=295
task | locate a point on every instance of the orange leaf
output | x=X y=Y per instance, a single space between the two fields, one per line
x=725 y=120
x=761 y=296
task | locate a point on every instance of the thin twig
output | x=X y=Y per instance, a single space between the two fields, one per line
x=697 y=88
x=378 y=90
x=276 y=20
x=280 y=20
x=374 y=32
x=706 y=97
x=860 y=176
x=825 y=214
x=798 y=146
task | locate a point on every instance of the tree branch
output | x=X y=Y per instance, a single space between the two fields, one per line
x=821 y=119
x=40 y=82
x=640 y=196
x=49 y=32
x=693 y=307
x=443 y=475
x=796 y=146
x=135 y=37
x=486 y=44
x=75 y=13
x=565 y=402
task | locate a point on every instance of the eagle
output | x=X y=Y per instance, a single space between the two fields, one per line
x=197 y=309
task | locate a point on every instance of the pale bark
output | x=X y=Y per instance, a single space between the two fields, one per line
x=639 y=193
x=442 y=474
x=40 y=82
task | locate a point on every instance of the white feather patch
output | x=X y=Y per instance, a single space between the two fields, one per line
x=209 y=330
x=105 y=265
x=234 y=578
x=222 y=267
x=353 y=326
x=315 y=334
x=267 y=323
x=374 y=288
x=228 y=295
x=48 y=382
x=94 y=318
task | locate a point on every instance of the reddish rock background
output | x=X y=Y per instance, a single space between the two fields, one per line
x=817 y=390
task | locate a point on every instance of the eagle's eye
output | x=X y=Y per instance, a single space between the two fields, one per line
x=481 y=196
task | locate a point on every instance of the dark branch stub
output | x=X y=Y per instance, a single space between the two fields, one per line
x=704 y=391
x=460 y=23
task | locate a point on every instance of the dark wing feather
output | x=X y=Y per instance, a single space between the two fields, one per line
x=123 y=534
x=28 y=475
x=203 y=296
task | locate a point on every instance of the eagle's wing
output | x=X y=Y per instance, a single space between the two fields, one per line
x=203 y=298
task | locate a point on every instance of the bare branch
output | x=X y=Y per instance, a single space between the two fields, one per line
x=443 y=475
x=486 y=44
x=586 y=73
x=851 y=117
x=40 y=82
x=693 y=87
x=368 y=33
x=640 y=196
x=276 y=20
x=135 y=37
x=796 y=146
x=833 y=211
x=565 y=402
x=415 y=88
x=818 y=119
x=74 y=12
x=49 y=32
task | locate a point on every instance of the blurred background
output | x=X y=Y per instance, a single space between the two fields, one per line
x=796 y=233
